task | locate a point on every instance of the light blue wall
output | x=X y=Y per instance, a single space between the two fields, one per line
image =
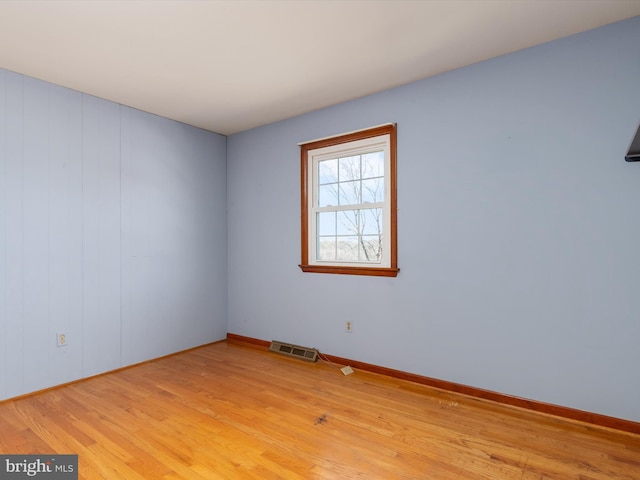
x=519 y=229
x=112 y=229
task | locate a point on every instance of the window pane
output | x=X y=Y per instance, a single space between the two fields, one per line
x=350 y=192
x=373 y=165
x=326 y=223
x=349 y=168
x=373 y=190
x=371 y=221
x=347 y=249
x=328 y=171
x=347 y=222
x=326 y=248
x=328 y=195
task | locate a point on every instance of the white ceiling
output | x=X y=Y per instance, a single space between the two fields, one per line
x=227 y=66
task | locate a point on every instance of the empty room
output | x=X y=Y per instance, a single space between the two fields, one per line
x=272 y=239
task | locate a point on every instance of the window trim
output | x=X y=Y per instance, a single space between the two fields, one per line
x=366 y=269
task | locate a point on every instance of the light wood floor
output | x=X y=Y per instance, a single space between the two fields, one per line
x=228 y=411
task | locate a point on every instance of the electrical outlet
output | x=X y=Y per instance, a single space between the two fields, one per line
x=61 y=339
x=349 y=327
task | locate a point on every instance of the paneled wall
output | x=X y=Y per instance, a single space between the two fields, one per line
x=112 y=230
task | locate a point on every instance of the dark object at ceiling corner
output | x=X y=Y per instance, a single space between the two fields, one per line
x=633 y=155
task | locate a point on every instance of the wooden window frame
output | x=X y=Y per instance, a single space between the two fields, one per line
x=391 y=236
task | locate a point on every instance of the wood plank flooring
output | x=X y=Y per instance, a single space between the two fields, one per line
x=229 y=411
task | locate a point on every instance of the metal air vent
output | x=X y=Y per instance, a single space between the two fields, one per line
x=305 y=353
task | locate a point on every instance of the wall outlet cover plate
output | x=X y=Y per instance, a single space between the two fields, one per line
x=61 y=339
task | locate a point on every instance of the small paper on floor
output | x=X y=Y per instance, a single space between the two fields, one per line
x=347 y=370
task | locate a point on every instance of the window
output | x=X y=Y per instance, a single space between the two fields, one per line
x=348 y=186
